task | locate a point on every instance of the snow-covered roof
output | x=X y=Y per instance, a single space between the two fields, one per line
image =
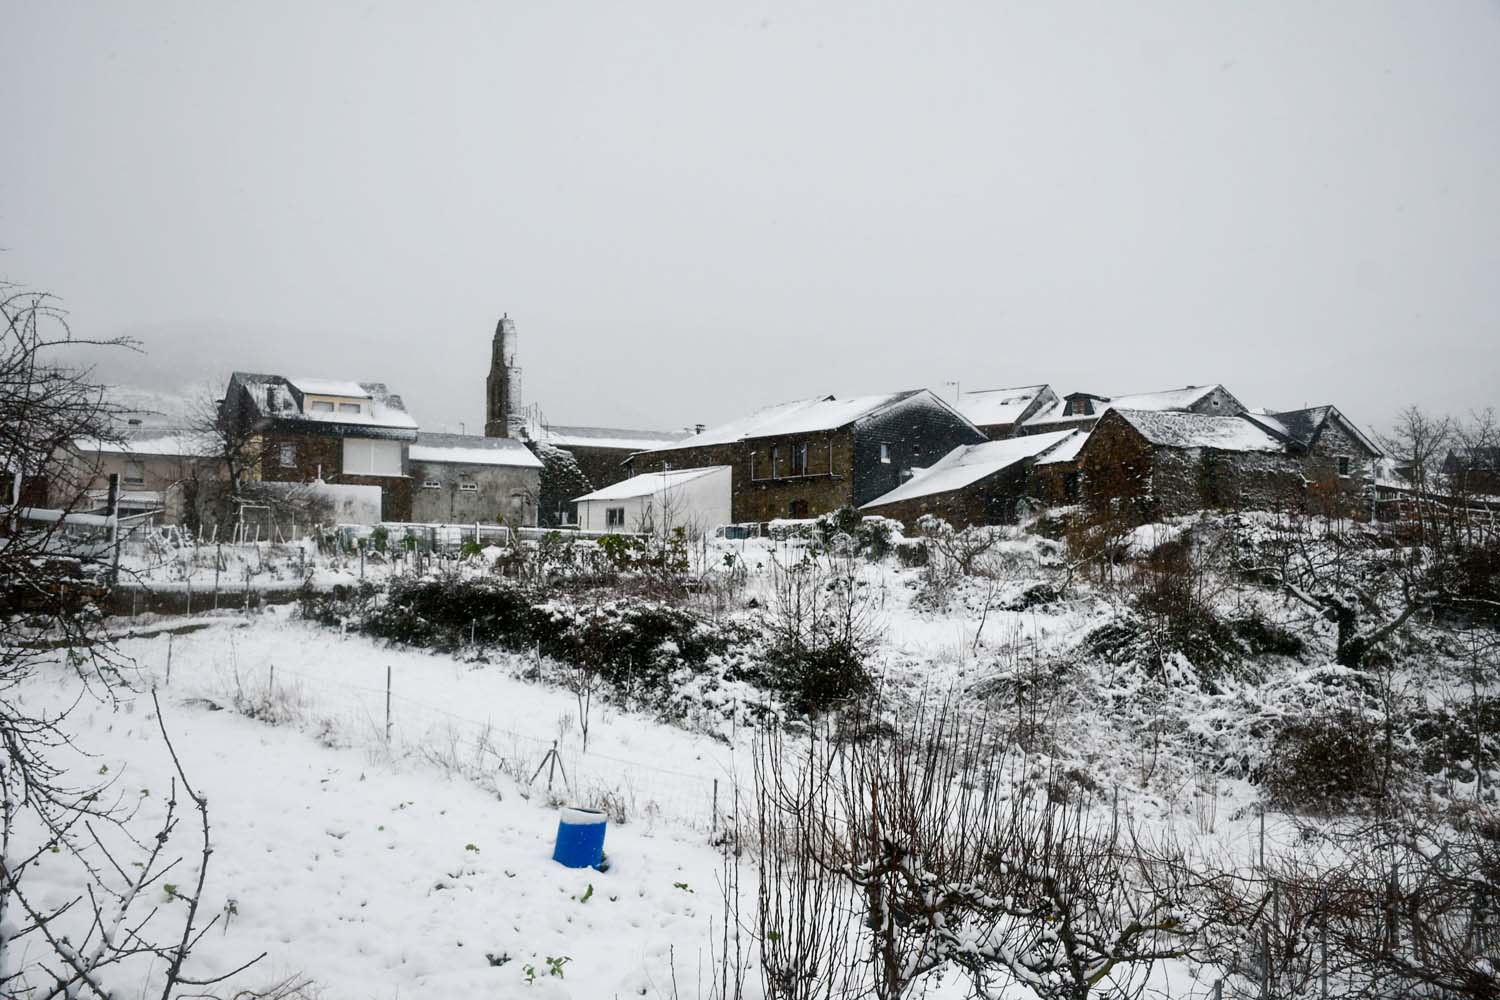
x=969 y=464
x=468 y=449
x=619 y=438
x=181 y=443
x=650 y=484
x=800 y=416
x=1164 y=400
x=1067 y=451
x=1175 y=429
x=329 y=387
x=998 y=406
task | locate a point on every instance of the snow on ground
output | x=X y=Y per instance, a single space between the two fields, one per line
x=380 y=873
x=389 y=866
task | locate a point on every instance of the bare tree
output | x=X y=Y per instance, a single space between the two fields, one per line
x=49 y=619
x=1419 y=442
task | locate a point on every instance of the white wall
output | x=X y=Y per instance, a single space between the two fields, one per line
x=700 y=505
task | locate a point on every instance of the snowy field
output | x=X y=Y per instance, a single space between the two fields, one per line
x=422 y=869
x=383 y=817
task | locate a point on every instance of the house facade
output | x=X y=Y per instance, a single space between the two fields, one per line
x=694 y=500
x=1148 y=465
x=340 y=432
x=988 y=483
x=463 y=479
x=1338 y=460
x=158 y=472
x=812 y=456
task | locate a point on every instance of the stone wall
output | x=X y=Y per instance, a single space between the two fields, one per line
x=916 y=433
x=1190 y=479
x=503 y=494
x=1329 y=491
x=758 y=495
x=1122 y=471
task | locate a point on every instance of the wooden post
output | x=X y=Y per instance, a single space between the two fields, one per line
x=387 y=706
x=169 y=659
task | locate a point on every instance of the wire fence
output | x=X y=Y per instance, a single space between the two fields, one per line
x=385 y=720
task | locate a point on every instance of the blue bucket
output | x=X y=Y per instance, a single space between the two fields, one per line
x=580 y=838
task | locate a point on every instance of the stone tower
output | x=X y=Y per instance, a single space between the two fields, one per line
x=502 y=390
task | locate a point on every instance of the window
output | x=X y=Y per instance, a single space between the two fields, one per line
x=135 y=473
x=799 y=460
x=885 y=453
x=364 y=457
x=797 y=510
x=1079 y=407
x=349 y=408
x=614 y=517
x=1343 y=465
x=468 y=487
x=775 y=460
x=431 y=484
x=322 y=406
x=287 y=456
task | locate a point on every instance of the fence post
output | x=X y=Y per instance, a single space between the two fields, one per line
x=387 y=705
x=169 y=659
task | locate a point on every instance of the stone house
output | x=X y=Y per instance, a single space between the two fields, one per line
x=973 y=484
x=1149 y=464
x=340 y=432
x=998 y=412
x=812 y=456
x=464 y=479
x=1338 y=460
x=1473 y=471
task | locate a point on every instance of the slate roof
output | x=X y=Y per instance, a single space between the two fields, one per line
x=470 y=449
x=1302 y=427
x=988 y=407
x=649 y=484
x=618 y=438
x=1175 y=429
x=968 y=464
x=800 y=416
x=1166 y=399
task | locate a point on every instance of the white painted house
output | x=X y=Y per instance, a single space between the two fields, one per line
x=694 y=499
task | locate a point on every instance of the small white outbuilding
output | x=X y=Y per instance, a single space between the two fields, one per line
x=696 y=500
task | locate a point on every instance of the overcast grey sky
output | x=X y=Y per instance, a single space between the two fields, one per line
x=694 y=208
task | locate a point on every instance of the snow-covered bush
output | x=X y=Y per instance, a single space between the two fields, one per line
x=1328 y=765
